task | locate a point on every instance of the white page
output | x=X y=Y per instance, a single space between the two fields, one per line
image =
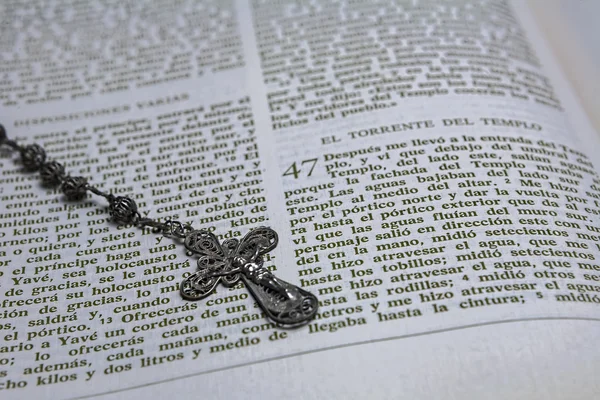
x=570 y=30
x=282 y=151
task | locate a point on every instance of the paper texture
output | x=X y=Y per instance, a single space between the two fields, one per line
x=420 y=161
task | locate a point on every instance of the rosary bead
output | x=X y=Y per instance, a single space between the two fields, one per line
x=33 y=157
x=52 y=172
x=122 y=209
x=74 y=187
x=3 y=136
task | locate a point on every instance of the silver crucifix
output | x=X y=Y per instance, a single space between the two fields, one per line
x=286 y=304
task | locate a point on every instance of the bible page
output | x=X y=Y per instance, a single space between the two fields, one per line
x=416 y=158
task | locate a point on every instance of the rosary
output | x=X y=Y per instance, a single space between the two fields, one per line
x=229 y=262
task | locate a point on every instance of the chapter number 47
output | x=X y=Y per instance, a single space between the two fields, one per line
x=295 y=171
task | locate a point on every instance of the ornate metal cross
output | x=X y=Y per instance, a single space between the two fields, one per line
x=286 y=304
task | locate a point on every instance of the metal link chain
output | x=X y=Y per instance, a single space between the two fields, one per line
x=122 y=209
x=233 y=260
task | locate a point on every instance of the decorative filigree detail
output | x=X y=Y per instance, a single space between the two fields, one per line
x=52 y=173
x=33 y=157
x=234 y=260
x=74 y=187
x=230 y=262
x=122 y=209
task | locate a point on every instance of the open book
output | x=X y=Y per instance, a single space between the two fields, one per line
x=427 y=167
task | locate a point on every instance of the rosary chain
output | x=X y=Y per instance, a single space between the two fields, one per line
x=286 y=304
x=122 y=209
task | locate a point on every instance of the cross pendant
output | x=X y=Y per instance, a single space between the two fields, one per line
x=234 y=260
